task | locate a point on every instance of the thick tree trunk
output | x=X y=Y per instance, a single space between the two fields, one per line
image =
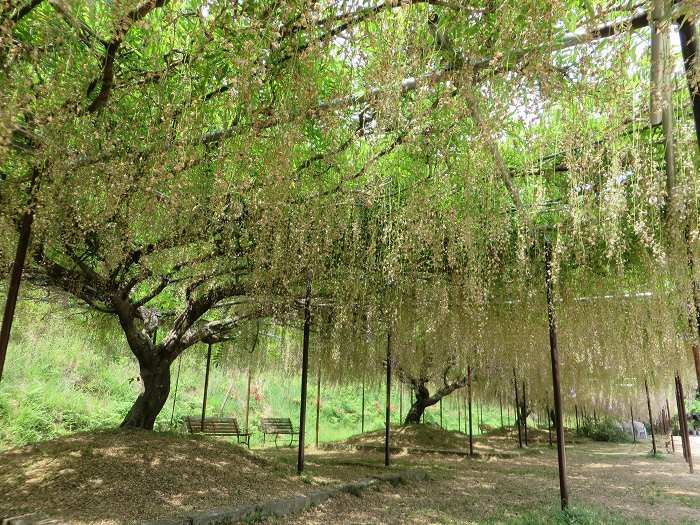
x=156 y=388
x=421 y=402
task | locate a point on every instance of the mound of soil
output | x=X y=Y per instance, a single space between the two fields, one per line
x=431 y=437
x=120 y=476
x=414 y=436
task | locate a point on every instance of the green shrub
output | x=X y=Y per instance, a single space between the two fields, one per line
x=605 y=429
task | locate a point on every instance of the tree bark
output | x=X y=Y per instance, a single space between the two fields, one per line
x=419 y=405
x=423 y=399
x=155 y=375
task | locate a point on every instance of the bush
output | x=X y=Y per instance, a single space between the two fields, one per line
x=605 y=429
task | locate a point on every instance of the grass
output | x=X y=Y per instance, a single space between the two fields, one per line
x=66 y=374
x=574 y=515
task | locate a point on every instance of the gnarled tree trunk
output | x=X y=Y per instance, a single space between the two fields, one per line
x=155 y=374
x=424 y=399
x=421 y=402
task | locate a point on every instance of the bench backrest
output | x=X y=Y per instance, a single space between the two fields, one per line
x=276 y=425
x=213 y=425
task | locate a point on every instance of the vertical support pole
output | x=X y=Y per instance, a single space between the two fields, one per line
x=388 y=398
x=500 y=406
x=517 y=410
x=400 y=402
x=459 y=413
x=670 y=425
x=25 y=232
x=679 y=402
x=577 y=426
x=304 y=377
x=466 y=429
x=469 y=395
x=206 y=386
x=442 y=427
x=554 y=355
x=362 y=420
x=634 y=431
x=318 y=400
x=177 y=383
x=524 y=416
x=651 y=420
x=247 y=404
x=683 y=417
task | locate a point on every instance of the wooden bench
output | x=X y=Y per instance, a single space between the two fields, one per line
x=217 y=426
x=279 y=426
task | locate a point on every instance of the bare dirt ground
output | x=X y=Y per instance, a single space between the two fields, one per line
x=619 y=478
x=121 y=477
x=124 y=476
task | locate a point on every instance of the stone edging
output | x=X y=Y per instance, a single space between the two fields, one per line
x=252 y=512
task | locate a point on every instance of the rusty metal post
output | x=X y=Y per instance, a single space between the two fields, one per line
x=318 y=401
x=517 y=410
x=651 y=421
x=388 y=398
x=304 y=377
x=670 y=425
x=469 y=395
x=206 y=386
x=556 y=383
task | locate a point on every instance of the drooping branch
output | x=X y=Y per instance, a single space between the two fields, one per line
x=107 y=77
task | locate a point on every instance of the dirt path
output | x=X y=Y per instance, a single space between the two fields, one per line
x=621 y=479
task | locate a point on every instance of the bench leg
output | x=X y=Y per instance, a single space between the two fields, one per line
x=291 y=441
x=276 y=436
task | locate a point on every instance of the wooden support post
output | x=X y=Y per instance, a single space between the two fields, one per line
x=318 y=401
x=206 y=386
x=684 y=425
x=554 y=355
x=388 y=398
x=247 y=404
x=577 y=427
x=304 y=377
x=177 y=384
x=362 y=420
x=401 y=402
x=469 y=395
x=517 y=410
x=670 y=425
x=442 y=427
x=634 y=431
x=651 y=421
x=25 y=232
